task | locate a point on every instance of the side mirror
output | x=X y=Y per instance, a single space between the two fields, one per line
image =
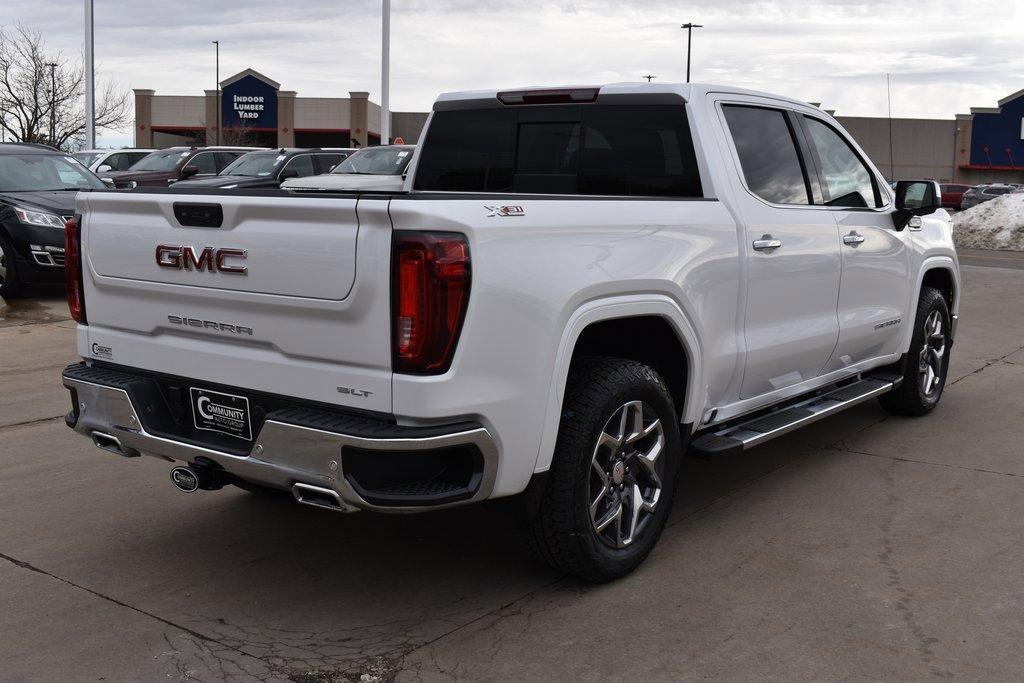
x=189 y=171
x=109 y=183
x=915 y=198
x=289 y=173
x=104 y=169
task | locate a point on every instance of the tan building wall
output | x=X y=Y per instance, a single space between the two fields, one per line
x=321 y=113
x=408 y=125
x=286 y=118
x=921 y=148
x=358 y=117
x=174 y=111
x=143 y=118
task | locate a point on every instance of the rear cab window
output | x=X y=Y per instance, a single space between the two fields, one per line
x=626 y=150
x=766 y=145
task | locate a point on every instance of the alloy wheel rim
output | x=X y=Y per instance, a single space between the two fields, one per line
x=932 y=354
x=626 y=474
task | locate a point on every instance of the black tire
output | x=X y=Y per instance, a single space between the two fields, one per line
x=911 y=398
x=10 y=283
x=562 y=532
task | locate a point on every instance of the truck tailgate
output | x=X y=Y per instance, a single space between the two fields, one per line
x=289 y=295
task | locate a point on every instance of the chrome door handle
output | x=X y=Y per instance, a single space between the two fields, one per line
x=853 y=238
x=767 y=242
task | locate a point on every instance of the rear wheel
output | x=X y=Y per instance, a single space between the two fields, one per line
x=613 y=475
x=10 y=283
x=924 y=376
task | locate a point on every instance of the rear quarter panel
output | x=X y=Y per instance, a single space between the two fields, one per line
x=532 y=273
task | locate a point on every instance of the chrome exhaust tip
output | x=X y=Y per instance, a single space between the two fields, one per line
x=112 y=444
x=319 y=497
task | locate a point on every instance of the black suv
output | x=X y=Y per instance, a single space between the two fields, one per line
x=38 y=185
x=268 y=168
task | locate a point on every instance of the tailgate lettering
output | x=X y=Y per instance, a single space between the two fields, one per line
x=212 y=259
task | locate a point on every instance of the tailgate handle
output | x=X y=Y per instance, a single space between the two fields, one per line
x=199 y=215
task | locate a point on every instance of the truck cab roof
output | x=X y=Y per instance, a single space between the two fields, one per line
x=576 y=93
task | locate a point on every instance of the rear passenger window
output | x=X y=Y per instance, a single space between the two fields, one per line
x=847 y=180
x=302 y=165
x=204 y=162
x=767 y=152
x=618 y=150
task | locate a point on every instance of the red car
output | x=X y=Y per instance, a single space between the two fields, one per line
x=953 y=194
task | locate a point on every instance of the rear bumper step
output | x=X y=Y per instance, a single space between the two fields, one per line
x=331 y=460
x=757 y=430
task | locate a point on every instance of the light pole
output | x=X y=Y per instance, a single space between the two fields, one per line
x=385 y=69
x=217 y=43
x=649 y=77
x=689 y=37
x=53 y=101
x=90 y=107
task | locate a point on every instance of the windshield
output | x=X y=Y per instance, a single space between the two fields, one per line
x=376 y=161
x=35 y=172
x=254 y=165
x=86 y=158
x=166 y=160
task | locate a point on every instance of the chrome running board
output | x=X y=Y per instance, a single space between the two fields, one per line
x=765 y=427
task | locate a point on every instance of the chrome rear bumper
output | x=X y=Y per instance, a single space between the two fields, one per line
x=282 y=456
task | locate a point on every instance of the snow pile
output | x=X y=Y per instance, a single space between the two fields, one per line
x=996 y=224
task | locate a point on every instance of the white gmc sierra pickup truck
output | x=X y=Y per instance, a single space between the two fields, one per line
x=575 y=288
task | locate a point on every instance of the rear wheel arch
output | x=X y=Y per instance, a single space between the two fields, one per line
x=647 y=339
x=657 y=314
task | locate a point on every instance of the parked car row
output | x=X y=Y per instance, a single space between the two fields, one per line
x=268 y=168
x=38 y=185
x=189 y=168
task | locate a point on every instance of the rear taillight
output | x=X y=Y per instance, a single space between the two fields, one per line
x=430 y=276
x=73 y=270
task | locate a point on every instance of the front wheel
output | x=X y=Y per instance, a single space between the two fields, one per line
x=612 y=478
x=924 y=376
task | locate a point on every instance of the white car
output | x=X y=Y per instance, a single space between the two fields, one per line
x=577 y=288
x=104 y=160
x=379 y=169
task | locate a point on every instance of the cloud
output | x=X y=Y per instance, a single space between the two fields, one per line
x=836 y=53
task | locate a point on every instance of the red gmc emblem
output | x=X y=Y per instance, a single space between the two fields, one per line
x=212 y=259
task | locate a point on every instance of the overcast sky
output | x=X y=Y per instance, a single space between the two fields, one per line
x=945 y=57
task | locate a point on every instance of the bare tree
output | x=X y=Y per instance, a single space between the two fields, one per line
x=37 y=88
x=241 y=135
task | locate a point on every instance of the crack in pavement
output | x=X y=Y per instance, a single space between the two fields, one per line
x=905 y=602
x=38 y=420
x=989 y=363
x=195 y=634
x=982 y=470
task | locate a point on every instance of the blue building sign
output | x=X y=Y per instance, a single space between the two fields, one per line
x=249 y=102
x=997 y=135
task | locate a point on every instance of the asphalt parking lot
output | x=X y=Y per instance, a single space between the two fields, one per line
x=866 y=546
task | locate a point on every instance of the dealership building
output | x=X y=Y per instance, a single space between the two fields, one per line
x=255 y=111
x=986 y=145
